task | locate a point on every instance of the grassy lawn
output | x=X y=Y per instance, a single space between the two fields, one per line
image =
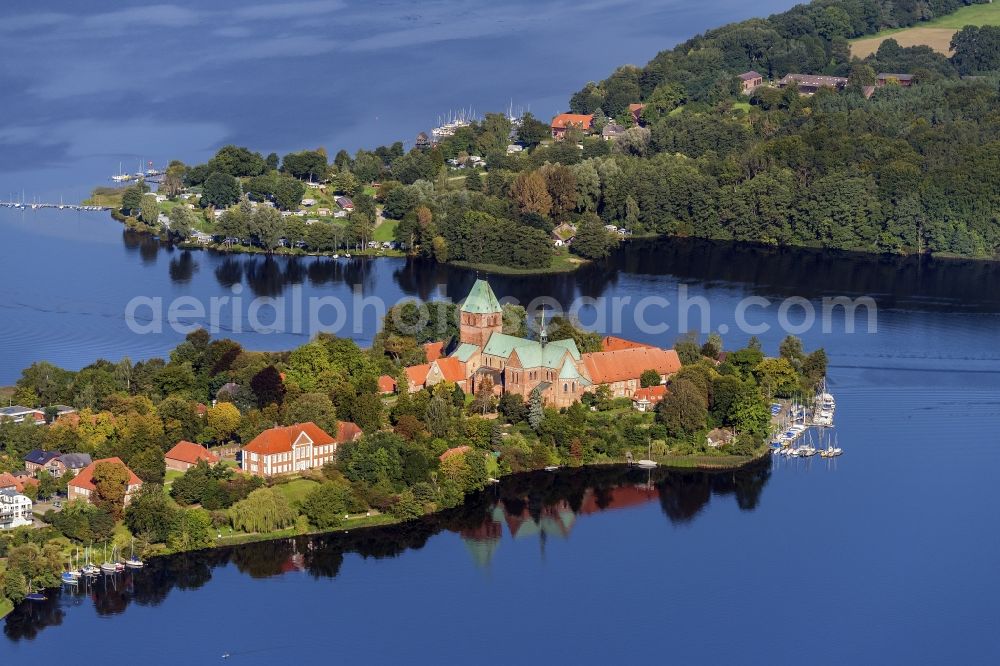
x=5 y=606
x=562 y=262
x=386 y=231
x=935 y=33
x=296 y=491
x=171 y=476
x=742 y=106
x=105 y=196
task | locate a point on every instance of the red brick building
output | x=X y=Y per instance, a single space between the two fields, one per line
x=82 y=485
x=185 y=455
x=565 y=121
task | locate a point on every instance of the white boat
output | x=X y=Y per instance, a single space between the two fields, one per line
x=551 y=468
x=646 y=464
x=134 y=562
x=108 y=566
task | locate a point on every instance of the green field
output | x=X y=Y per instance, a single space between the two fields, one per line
x=386 y=231
x=296 y=491
x=935 y=33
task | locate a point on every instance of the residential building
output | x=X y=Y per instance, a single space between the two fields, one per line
x=72 y=463
x=55 y=463
x=635 y=110
x=82 y=485
x=19 y=414
x=646 y=399
x=345 y=203
x=37 y=460
x=16 y=482
x=566 y=121
x=295 y=448
x=386 y=385
x=883 y=79
x=612 y=131
x=808 y=84
x=185 y=455
x=15 y=510
x=750 y=81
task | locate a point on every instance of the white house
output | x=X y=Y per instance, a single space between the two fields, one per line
x=15 y=510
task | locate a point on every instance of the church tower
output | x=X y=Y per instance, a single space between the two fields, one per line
x=481 y=315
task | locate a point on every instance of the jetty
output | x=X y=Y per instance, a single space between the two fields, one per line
x=60 y=206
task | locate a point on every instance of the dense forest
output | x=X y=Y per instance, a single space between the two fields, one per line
x=909 y=170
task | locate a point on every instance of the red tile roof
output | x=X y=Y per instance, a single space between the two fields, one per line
x=347 y=431
x=386 y=384
x=651 y=394
x=433 y=351
x=611 y=343
x=85 y=479
x=280 y=439
x=564 y=120
x=454 y=452
x=451 y=368
x=10 y=481
x=625 y=364
x=417 y=374
x=191 y=453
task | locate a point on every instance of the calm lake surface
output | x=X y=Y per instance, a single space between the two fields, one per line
x=885 y=555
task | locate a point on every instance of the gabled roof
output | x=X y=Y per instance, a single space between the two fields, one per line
x=281 y=439
x=650 y=394
x=191 y=453
x=10 y=481
x=451 y=369
x=625 y=364
x=347 y=431
x=386 y=384
x=749 y=76
x=417 y=374
x=40 y=457
x=465 y=351
x=433 y=350
x=85 y=478
x=564 y=120
x=570 y=372
x=454 y=452
x=611 y=343
x=75 y=460
x=481 y=299
x=531 y=353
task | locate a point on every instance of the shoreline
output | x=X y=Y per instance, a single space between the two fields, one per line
x=686 y=463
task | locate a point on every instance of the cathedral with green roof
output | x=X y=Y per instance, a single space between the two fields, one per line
x=513 y=364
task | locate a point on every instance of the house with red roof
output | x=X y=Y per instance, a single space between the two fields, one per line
x=386 y=385
x=566 y=121
x=16 y=483
x=295 y=448
x=185 y=455
x=454 y=451
x=82 y=485
x=635 y=110
x=750 y=81
x=646 y=399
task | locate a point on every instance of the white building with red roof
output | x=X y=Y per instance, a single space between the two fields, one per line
x=295 y=448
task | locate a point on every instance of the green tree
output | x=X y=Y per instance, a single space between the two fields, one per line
x=683 y=411
x=220 y=190
x=536 y=414
x=263 y=510
x=237 y=161
x=150 y=514
x=315 y=407
x=111 y=483
x=592 y=240
x=326 y=506
x=649 y=378
x=150 y=210
x=181 y=222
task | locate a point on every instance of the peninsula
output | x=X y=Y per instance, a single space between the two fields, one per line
x=184 y=453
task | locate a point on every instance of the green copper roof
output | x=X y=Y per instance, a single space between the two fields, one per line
x=569 y=371
x=481 y=300
x=465 y=351
x=531 y=353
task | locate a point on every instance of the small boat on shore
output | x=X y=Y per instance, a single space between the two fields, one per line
x=134 y=562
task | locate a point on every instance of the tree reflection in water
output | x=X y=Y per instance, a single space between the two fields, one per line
x=541 y=504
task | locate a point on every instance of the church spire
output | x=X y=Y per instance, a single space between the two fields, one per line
x=543 y=335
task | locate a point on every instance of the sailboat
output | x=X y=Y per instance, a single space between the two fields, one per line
x=34 y=596
x=89 y=569
x=107 y=566
x=134 y=562
x=647 y=462
x=71 y=575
